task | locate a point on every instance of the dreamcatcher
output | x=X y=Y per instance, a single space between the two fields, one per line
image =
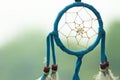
x=78 y=29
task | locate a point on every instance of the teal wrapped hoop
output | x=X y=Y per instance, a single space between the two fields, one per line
x=56 y=35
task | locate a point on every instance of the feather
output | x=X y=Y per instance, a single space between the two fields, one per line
x=55 y=76
x=46 y=78
x=108 y=75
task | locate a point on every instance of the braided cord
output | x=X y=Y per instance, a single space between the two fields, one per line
x=77 y=69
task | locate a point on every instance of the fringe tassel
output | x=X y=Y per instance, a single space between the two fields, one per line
x=106 y=75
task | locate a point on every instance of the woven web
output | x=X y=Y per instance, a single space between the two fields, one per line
x=78 y=28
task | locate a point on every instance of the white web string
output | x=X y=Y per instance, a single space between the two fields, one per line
x=78 y=28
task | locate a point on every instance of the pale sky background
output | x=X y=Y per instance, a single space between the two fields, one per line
x=19 y=15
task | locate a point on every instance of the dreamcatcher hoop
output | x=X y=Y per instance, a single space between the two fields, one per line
x=54 y=36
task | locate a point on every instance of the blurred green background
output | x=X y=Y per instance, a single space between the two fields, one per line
x=24 y=25
x=22 y=58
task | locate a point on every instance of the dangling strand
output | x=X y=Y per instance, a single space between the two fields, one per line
x=104 y=73
x=54 y=74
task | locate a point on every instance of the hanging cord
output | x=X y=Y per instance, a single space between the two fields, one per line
x=47 y=68
x=48 y=50
x=77 y=0
x=104 y=73
x=104 y=63
x=50 y=40
x=54 y=65
x=77 y=69
x=103 y=55
x=53 y=48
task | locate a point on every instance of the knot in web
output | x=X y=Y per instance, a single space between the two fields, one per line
x=78 y=28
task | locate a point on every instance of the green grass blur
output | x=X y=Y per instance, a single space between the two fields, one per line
x=22 y=59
